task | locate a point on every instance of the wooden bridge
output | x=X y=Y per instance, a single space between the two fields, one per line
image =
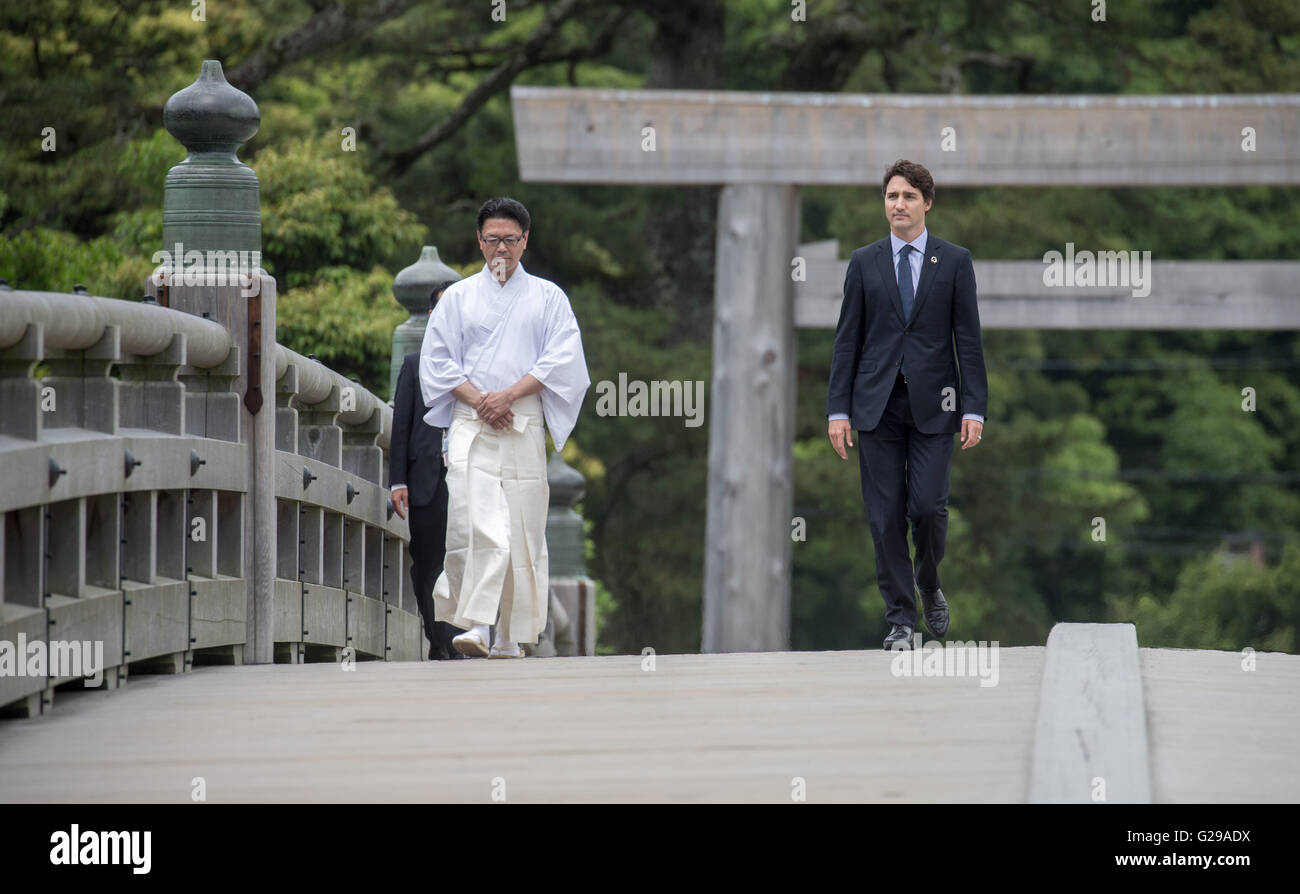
x=220 y=498
x=1088 y=718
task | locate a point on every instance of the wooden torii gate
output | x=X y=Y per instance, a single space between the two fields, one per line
x=760 y=147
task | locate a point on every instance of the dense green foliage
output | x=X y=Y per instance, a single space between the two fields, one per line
x=1142 y=429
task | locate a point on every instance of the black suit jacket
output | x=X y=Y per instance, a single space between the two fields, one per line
x=872 y=338
x=415 y=451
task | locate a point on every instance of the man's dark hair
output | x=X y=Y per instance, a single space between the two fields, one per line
x=506 y=208
x=913 y=173
x=438 y=290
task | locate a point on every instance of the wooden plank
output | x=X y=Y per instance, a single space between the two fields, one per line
x=1219 y=730
x=1183 y=295
x=1090 y=738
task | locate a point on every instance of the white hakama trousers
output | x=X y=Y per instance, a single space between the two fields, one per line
x=497 y=495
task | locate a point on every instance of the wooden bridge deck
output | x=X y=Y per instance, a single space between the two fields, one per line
x=697 y=728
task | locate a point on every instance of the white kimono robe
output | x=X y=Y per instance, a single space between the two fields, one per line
x=497 y=494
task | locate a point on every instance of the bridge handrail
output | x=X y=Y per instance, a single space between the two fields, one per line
x=76 y=322
x=103 y=491
x=315 y=381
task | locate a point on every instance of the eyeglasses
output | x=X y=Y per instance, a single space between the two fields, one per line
x=510 y=241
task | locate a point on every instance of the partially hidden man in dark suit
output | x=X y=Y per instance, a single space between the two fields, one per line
x=907 y=373
x=418 y=479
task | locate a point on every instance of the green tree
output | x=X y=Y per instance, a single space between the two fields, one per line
x=1224 y=601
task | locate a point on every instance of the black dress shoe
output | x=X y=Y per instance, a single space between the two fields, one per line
x=447 y=651
x=899 y=638
x=935 y=610
x=440 y=649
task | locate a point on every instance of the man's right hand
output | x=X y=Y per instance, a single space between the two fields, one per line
x=401 y=500
x=840 y=430
x=494 y=409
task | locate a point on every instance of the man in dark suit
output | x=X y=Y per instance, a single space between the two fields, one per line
x=418 y=477
x=909 y=318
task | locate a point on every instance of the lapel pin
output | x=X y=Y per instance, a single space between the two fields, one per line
x=933 y=259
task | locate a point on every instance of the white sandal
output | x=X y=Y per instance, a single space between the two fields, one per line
x=469 y=645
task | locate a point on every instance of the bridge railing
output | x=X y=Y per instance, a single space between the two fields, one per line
x=341 y=553
x=128 y=463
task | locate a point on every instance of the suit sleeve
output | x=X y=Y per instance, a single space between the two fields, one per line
x=403 y=411
x=970 y=346
x=848 y=343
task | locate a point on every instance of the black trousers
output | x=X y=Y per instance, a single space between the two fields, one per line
x=428 y=550
x=905 y=478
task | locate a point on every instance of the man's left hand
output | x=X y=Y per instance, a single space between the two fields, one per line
x=971 y=432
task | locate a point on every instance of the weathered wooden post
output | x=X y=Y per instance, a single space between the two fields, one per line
x=751 y=422
x=211 y=267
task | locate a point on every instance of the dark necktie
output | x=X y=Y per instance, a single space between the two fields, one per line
x=906 y=290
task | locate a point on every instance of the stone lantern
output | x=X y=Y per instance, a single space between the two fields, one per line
x=565 y=534
x=572 y=622
x=411 y=287
x=210 y=200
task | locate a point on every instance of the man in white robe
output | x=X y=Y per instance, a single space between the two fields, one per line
x=502 y=356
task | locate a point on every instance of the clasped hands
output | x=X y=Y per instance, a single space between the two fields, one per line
x=494 y=409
